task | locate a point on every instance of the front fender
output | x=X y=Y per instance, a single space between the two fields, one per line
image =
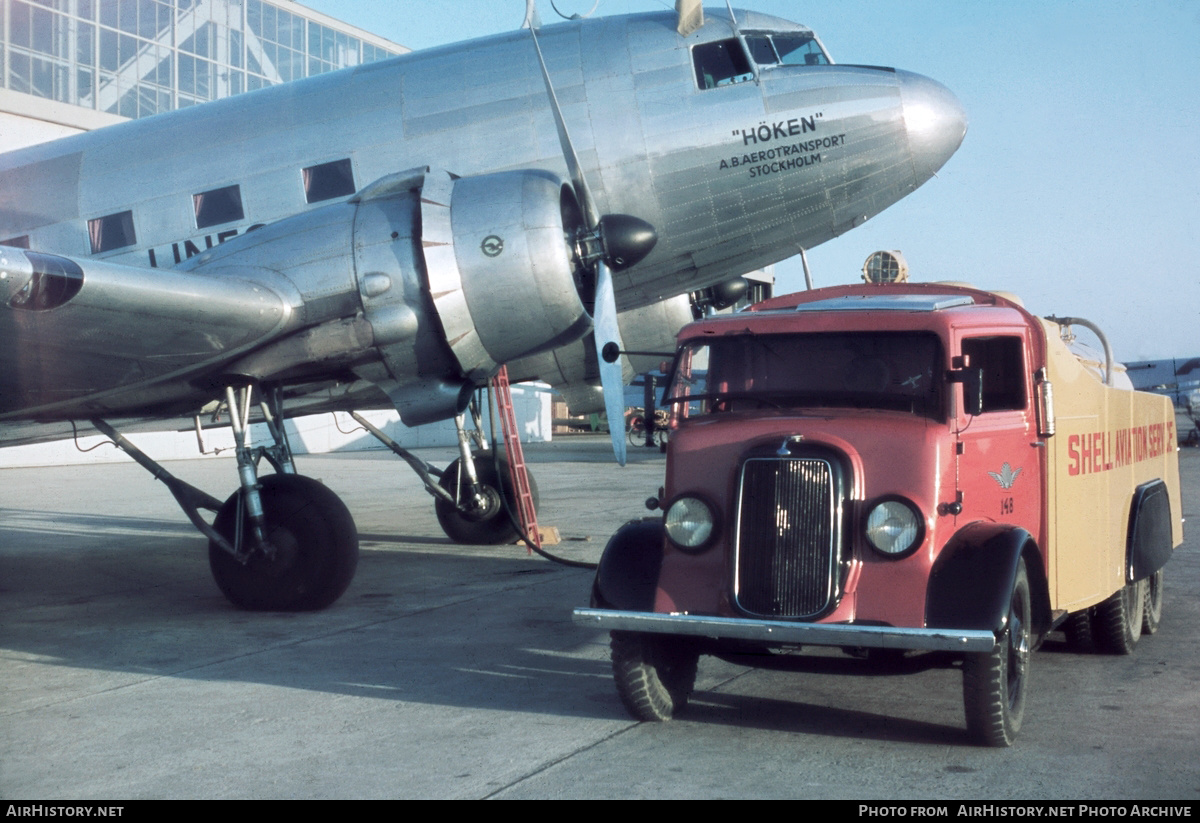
x=973 y=577
x=627 y=576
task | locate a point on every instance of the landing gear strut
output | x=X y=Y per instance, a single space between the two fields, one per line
x=474 y=497
x=281 y=542
x=295 y=546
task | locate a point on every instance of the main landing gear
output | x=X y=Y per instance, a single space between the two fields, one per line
x=282 y=542
x=285 y=542
x=475 y=498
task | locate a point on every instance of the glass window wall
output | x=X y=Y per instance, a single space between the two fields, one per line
x=140 y=57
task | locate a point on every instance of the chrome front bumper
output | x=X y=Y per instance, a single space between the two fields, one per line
x=780 y=632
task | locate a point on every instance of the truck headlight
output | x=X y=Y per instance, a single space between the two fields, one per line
x=689 y=523
x=894 y=526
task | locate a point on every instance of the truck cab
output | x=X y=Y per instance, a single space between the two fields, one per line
x=892 y=469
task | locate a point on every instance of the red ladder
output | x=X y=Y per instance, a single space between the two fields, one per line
x=518 y=474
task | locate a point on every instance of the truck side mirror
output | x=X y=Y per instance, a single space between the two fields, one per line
x=972 y=383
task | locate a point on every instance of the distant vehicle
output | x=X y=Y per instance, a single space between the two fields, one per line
x=1178 y=379
x=892 y=468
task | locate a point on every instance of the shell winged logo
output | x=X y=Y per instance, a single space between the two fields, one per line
x=1006 y=477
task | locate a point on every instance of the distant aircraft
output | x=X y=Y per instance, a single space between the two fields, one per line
x=390 y=235
x=1178 y=379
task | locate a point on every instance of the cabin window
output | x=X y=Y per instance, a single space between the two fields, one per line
x=113 y=231
x=21 y=242
x=55 y=280
x=328 y=180
x=721 y=63
x=218 y=206
x=1003 y=371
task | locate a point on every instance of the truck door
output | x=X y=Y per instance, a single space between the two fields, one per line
x=999 y=462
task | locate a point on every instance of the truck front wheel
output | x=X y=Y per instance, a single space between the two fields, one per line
x=995 y=683
x=655 y=674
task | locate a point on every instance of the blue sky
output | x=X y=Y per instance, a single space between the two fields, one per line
x=1077 y=186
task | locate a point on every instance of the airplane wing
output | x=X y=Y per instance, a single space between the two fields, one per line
x=88 y=337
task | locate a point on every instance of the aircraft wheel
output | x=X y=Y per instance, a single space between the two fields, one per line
x=655 y=674
x=489 y=524
x=315 y=542
x=1117 y=622
x=995 y=683
x=1154 y=603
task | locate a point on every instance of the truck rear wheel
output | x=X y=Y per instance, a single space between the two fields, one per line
x=1078 y=630
x=1154 y=603
x=995 y=683
x=1117 y=622
x=655 y=674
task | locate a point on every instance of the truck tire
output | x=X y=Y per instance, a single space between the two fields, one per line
x=1117 y=622
x=655 y=674
x=1078 y=630
x=1154 y=603
x=995 y=683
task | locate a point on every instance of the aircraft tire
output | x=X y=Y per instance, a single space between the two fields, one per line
x=655 y=674
x=492 y=526
x=1117 y=622
x=995 y=683
x=316 y=545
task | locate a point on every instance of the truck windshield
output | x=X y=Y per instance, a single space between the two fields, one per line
x=897 y=371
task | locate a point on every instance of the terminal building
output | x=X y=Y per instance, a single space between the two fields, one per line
x=72 y=65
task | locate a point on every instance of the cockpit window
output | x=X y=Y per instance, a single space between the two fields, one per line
x=721 y=64
x=761 y=49
x=786 y=50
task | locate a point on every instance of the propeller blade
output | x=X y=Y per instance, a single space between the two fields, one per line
x=583 y=194
x=623 y=241
x=608 y=344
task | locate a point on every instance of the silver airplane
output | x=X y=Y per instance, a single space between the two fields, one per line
x=1178 y=379
x=392 y=234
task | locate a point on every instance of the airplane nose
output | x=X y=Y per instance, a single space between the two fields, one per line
x=934 y=119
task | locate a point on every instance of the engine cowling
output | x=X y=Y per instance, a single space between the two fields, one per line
x=500 y=267
x=496 y=271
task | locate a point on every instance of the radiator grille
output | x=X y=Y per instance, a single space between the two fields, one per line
x=787 y=537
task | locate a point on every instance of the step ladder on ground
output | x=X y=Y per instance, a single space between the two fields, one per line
x=518 y=473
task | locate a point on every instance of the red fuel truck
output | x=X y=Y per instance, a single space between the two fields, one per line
x=886 y=469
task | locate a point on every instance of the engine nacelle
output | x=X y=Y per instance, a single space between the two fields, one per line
x=500 y=268
x=453 y=276
x=484 y=261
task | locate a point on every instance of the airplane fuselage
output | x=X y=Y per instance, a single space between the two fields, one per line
x=733 y=177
